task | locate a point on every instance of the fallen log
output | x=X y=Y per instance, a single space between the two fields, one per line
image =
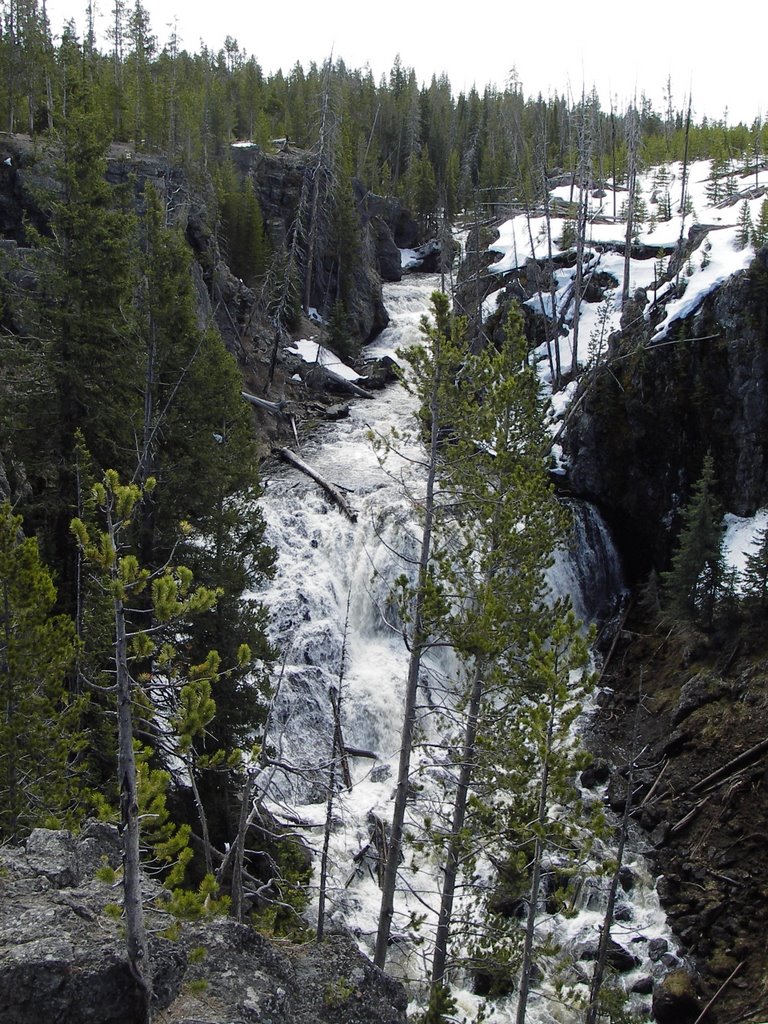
x=729 y=769
x=332 y=491
x=275 y=408
x=325 y=375
x=719 y=992
x=360 y=752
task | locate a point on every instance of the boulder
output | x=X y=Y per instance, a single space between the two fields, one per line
x=62 y=953
x=675 y=1000
x=597 y=774
x=617 y=957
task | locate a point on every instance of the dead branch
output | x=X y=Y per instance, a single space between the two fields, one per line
x=748 y=757
x=717 y=994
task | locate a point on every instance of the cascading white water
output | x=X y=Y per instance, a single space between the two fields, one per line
x=324 y=559
x=332 y=589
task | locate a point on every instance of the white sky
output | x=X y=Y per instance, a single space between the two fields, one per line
x=555 y=46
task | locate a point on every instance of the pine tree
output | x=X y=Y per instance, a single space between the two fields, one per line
x=550 y=760
x=423 y=191
x=430 y=385
x=693 y=584
x=744 y=229
x=123 y=578
x=755 y=577
x=86 y=306
x=199 y=444
x=40 y=736
x=760 y=233
x=493 y=471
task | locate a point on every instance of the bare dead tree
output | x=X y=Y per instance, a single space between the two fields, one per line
x=633 y=145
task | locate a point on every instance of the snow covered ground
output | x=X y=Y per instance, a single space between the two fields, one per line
x=717 y=258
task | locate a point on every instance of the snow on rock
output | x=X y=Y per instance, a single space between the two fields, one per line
x=723 y=261
x=660 y=190
x=313 y=352
x=409 y=258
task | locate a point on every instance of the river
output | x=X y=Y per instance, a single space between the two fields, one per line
x=331 y=594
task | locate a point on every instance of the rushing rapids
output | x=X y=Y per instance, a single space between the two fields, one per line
x=337 y=628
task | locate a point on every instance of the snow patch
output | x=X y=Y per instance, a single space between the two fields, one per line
x=313 y=352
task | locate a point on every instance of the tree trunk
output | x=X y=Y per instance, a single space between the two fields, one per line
x=538 y=853
x=632 y=130
x=605 y=931
x=136 y=934
x=236 y=909
x=135 y=928
x=333 y=492
x=459 y=814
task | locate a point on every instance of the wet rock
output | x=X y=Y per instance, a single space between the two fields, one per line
x=643 y=986
x=621 y=959
x=667 y=888
x=626 y=878
x=336 y=412
x=656 y=949
x=617 y=957
x=616 y=794
x=675 y=1000
x=428 y=256
x=597 y=774
x=378 y=373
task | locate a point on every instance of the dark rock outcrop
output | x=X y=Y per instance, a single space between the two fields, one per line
x=62 y=959
x=30 y=182
x=278 y=179
x=641 y=432
x=700 y=800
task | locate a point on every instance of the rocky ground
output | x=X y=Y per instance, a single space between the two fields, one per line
x=700 y=794
x=62 y=959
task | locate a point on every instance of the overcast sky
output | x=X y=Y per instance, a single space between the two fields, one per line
x=557 y=45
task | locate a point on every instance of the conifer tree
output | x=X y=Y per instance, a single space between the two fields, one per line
x=40 y=735
x=693 y=584
x=493 y=525
x=744 y=229
x=756 y=572
x=173 y=596
x=493 y=471
x=760 y=233
x=87 y=289
x=198 y=443
x=431 y=389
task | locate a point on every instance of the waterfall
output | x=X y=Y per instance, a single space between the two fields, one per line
x=587 y=567
x=332 y=589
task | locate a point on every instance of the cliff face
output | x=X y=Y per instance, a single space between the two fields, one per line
x=62 y=953
x=638 y=439
x=29 y=174
x=278 y=180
